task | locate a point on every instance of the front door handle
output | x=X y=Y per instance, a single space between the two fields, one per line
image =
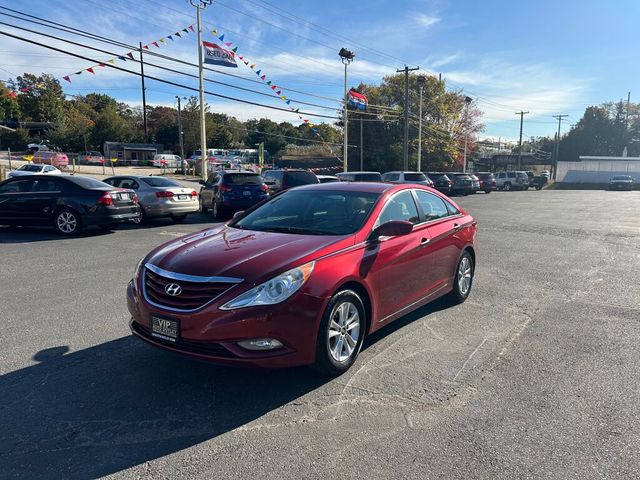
x=424 y=242
x=457 y=226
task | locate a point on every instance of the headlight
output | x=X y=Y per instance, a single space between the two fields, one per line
x=276 y=290
x=136 y=272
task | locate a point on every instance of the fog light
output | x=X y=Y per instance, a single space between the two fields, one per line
x=261 y=344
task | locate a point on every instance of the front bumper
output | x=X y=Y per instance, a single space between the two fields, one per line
x=212 y=334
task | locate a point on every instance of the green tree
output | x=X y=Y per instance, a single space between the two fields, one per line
x=110 y=126
x=40 y=98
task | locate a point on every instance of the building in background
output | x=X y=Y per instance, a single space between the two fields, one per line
x=132 y=153
x=592 y=169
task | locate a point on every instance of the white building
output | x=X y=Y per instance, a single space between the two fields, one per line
x=591 y=169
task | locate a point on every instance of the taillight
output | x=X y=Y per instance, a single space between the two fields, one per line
x=194 y=193
x=264 y=188
x=135 y=198
x=106 y=199
x=164 y=194
x=225 y=188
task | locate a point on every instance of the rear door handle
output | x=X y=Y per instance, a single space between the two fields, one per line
x=457 y=227
x=424 y=242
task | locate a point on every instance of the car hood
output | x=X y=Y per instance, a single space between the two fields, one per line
x=250 y=255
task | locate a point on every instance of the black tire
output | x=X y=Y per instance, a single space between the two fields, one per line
x=107 y=227
x=487 y=191
x=507 y=186
x=458 y=295
x=326 y=362
x=218 y=211
x=538 y=187
x=67 y=222
x=203 y=209
x=179 y=218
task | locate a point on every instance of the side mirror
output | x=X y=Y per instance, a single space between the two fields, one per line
x=202 y=182
x=393 y=228
x=239 y=213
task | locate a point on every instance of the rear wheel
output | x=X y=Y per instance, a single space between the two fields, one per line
x=341 y=333
x=463 y=279
x=67 y=222
x=142 y=218
x=507 y=186
x=218 y=210
x=203 y=209
x=487 y=191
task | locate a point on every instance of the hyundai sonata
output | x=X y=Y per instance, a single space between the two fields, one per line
x=303 y=277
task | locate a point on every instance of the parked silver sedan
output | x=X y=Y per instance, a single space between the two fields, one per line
x=159 y=197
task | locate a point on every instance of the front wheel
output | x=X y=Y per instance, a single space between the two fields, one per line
x=538 y=187
x=506 y=187
x=218 y=211
x=341 y=333
x=463 y=279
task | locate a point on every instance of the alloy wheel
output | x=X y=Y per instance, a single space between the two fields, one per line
x=67 y=222
x=464 y=275
x=344 y=331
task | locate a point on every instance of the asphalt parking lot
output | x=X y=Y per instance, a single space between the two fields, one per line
x=535 y=376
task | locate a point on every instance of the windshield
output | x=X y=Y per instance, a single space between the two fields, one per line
x=415 y=177
x=30 y=168
x=242 y=179
x=311 y=213
x=294 y=179
x=622 y=177
x=160 y=182
x=88 y=182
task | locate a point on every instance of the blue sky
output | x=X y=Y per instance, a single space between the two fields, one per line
x=547 y=57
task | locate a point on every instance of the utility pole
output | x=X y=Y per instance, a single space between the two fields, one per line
x=522 y=114
x=405 y=152
x=180 y=133
x=361 y=147
x=144 y=98
x=467 y=101
x=628 y=105
x=555 y=162
x=346 y=57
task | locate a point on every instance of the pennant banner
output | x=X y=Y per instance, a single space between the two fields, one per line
x=216 y=55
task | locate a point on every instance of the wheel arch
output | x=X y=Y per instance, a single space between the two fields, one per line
x=363 y=293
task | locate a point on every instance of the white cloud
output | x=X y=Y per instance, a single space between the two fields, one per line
x=424 y=20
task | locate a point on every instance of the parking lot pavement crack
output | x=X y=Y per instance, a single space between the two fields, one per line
x=466 y=362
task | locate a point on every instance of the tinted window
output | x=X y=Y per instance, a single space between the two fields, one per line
x=511 y=175
x=400 y=207
x=293 y=179
x=368 y=177
x=242 y=179
x=88 y=182
x=15 y=187
x=30 y=168
x=452 y=210
x=391 y=177
x=622 y=177
x=415 y=177
x=160 y=182
x=313 y=213
x=432 y=206
x=47 y=185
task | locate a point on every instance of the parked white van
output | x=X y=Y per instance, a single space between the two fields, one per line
x=167 y=160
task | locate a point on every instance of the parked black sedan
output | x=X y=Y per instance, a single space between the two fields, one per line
x=441 y=182
x=621 y=182
x=68 y=203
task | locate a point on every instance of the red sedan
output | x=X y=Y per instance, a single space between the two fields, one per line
x=302 y=277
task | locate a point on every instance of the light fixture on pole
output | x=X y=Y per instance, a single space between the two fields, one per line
x=467 y=101
x=200 y=5
x=346 y=57
x=421 y=82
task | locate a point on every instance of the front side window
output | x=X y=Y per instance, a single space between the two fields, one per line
x=295 y=179
x=47 y=186
x=511 y=175
x=392 y=177
x=21 y=186
x=400 y=207
x=415 y=177
x=432 y=206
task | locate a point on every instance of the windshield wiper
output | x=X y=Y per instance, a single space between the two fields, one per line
x=302 y=231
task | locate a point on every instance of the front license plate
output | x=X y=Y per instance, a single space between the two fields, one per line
x=165 y=329
x=183 y=197
x=246 y=193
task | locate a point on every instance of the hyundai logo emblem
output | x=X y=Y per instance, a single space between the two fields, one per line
x=173 y=289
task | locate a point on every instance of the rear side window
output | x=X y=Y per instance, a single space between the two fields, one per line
x=88 y=182
x=400 y=207
x=242 y=179
x=415 y=177
x=391 y=177
x=511 y=175
x=47 y=185
x=368 y=177
x=293 y=179
x=160 y=182
x=432 y=206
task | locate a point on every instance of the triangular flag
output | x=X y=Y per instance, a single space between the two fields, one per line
x=130 y=55
x=122 y=58
x=269 y=82
x=306 y=121
x=246 y=62
x=278 y=92
x=214 y=32
x=283 y=97
x=156 y=44
x=191 y=28
x=240 y=56
x=288 y=102
x=177 y=34
x=228 y=44
x=297 y=110
x=185 y=30
x=78 y=73
x=258 y=72
x=112 y=61
x=66 y=77
x=221 y=37
x=101 y=65
x=146 y=47
x=253 y=65
x=273 y=87
x=163 y=40
x=170 y=37
x=90 y=70
x=263 y=77
x=234 y=49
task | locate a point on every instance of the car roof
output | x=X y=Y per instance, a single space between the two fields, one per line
x=372 y=187
x=362 y=171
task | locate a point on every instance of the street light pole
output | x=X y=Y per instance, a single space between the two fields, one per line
x=467 y=101
x=180 y=135
x=346 y=57
x=421 y=81
x=199 y=5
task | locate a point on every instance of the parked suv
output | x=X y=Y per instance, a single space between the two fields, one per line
x=441 y=182
x=461 y=183
x=229 y=191
x=279 y=180
x=407 y=177
x=487 y=181
x=512 y=180
x=360 y=177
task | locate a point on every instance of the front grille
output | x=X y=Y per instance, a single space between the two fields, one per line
x=203 y=348
x=193 y=294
